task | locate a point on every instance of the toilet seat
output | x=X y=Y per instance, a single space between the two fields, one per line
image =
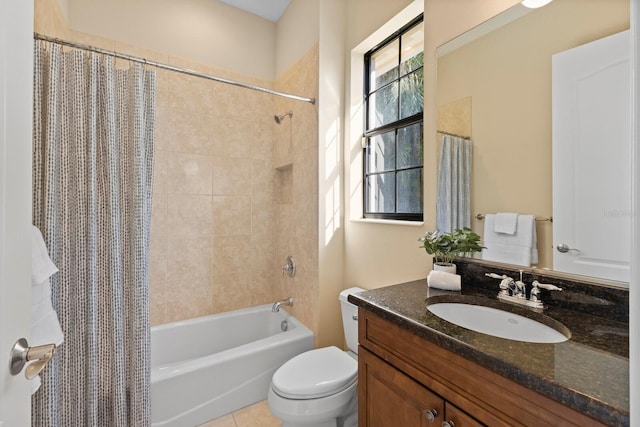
x=315 y=374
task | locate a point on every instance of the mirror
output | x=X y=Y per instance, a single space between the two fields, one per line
x=494 y=85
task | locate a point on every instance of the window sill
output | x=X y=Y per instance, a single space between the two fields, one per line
x=388 y=222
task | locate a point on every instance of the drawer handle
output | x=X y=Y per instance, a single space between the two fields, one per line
x=431 y=415
x=448 y=424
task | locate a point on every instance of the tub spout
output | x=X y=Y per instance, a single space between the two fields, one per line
x=277 y=304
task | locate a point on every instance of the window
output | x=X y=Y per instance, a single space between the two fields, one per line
x=394 y=100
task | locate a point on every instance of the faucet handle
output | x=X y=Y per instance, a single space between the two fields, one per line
x=496 y=276
x=545 y=286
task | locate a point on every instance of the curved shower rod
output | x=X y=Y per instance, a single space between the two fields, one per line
x=187 y=71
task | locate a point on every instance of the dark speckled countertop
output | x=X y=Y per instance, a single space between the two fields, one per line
x=589 y=372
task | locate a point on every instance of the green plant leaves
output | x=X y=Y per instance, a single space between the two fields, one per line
x=446 y=246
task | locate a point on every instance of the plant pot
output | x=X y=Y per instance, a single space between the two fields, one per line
x=449 y=268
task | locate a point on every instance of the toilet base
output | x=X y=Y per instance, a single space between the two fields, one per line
x=308 y=413
x=331 y=423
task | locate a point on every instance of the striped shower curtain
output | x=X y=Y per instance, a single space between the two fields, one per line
x=92 y=184
x=453 y=207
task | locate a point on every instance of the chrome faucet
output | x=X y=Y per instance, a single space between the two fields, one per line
x=515 y=291
x=277 y=304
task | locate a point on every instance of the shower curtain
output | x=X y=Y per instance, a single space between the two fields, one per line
x=92 y=184
x=453 y=207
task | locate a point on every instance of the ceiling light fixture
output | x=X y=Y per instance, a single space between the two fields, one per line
x=533 y=4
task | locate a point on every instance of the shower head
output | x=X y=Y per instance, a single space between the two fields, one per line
x=279 y=119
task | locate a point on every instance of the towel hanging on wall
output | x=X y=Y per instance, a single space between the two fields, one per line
x=519 y=248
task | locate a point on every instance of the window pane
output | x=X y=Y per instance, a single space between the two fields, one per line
x=383 y=106
x=411 y=94
x=410 y=191
x=381 y=153
x=383 y=66
x=412 y=49
x=381 y=193
x=410 y=146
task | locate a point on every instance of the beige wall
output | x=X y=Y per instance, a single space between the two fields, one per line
x=296 y=33
x=205 y=31
x=510 y=87
x=365 y=17
x=330 y=230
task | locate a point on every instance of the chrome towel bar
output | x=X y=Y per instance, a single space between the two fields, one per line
x=480 y=217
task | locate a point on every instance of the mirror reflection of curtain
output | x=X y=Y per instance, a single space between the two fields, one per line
x=453 y=208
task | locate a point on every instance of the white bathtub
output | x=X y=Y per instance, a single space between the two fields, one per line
x=207 y=367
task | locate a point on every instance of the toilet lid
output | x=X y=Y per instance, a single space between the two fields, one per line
x=316 y=373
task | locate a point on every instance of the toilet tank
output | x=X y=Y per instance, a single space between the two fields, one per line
x=350 y=319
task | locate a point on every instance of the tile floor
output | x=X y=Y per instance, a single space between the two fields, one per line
x=257 y=415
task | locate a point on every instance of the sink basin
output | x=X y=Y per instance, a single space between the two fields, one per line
x=498 y=323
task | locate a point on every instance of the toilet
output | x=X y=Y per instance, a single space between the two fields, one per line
x=319 y=388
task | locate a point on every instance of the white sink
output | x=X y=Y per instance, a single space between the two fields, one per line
x=498 y=323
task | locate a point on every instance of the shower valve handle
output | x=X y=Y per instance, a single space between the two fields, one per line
x=289 y=267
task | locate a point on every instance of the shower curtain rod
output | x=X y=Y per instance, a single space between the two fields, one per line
x=187 y=71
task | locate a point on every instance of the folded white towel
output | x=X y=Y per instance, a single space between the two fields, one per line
x=519 y=248
x=45 y=327
x=443 y=280
x=506 y=222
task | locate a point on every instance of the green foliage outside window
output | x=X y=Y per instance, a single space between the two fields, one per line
x=394 y=150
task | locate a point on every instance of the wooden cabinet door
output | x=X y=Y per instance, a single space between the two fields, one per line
x=391 y=398
x=457 y=418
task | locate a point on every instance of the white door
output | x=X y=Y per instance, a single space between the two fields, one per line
x=16 y=69
x=591 y=104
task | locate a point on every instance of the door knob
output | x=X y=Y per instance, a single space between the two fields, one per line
x=564 y=248
x=39 y=355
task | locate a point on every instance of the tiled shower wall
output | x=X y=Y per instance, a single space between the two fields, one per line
x=296 y=160
x=229 y=203
x=213 y=211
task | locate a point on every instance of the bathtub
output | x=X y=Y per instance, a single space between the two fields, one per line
x=210 y=366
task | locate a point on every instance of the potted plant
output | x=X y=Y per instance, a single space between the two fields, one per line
x=446 y=246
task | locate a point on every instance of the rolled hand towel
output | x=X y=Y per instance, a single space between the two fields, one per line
x=443 y=280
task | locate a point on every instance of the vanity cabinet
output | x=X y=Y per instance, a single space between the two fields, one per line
x=394 y=399
x=406 y=380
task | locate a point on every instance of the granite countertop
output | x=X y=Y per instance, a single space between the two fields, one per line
x=589 y=372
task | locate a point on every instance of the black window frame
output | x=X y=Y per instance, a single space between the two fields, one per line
x=393 y=126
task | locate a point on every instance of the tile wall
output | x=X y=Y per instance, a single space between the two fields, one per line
x=234 y=193
x=295 y=156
